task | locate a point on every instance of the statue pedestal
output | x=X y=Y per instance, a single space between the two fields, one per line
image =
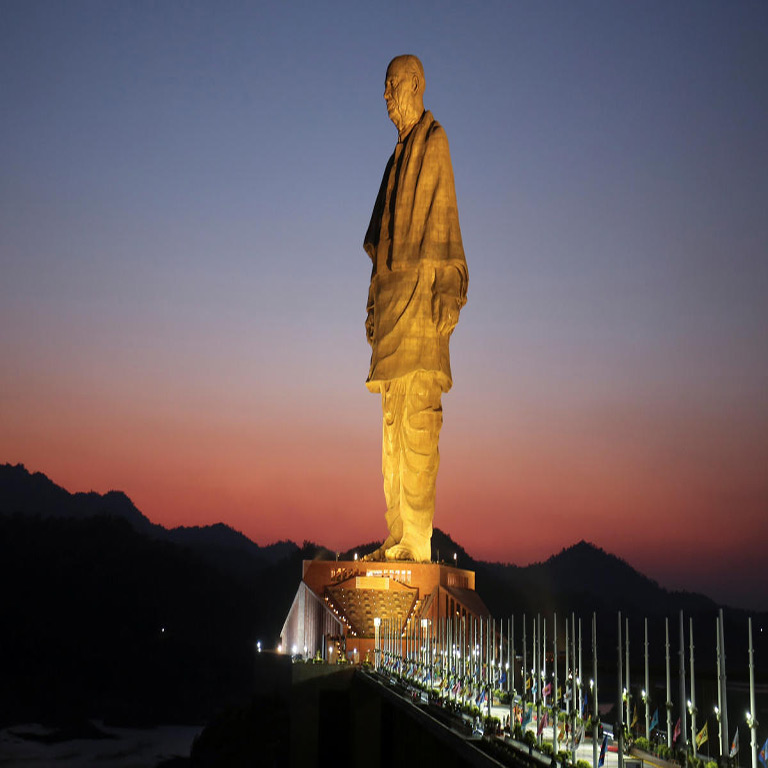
x=335 y=611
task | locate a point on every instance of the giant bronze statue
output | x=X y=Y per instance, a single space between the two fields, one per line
x=418 y=287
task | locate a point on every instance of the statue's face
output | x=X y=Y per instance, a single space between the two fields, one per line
x=400 y=93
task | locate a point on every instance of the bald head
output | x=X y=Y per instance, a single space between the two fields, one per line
x=411 y=65
x=404 y=92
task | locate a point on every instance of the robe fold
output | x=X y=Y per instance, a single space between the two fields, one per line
x=414 y=242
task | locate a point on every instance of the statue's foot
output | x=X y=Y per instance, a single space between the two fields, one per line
x=403 y=551
x=376 y=556
x=399 y=552
x=380 y=554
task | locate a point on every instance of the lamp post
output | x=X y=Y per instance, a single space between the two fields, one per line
x=692 y=703
x=647 y=687
x=717 y=717
x=692 y=712
x=644 y=697
x=376 y=643
x=596 y=720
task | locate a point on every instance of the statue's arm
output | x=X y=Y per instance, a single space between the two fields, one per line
x=449 y=295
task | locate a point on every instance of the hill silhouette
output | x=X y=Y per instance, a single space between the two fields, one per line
x=115 y=616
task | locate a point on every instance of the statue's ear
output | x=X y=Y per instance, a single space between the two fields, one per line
x=415 y=83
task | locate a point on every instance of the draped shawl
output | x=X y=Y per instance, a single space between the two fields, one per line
x=414 y=242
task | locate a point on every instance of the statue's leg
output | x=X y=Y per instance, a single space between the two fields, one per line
x=422 y=420
x=392 y=401
x=392 y=397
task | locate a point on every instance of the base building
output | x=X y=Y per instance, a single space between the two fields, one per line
x=354 y=608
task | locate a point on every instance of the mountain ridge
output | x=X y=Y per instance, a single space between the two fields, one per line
x=88 y=580
x=580 y=574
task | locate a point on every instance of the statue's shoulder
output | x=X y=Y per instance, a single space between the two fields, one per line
x=434 y=133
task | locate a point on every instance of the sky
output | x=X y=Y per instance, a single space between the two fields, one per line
x=184 y=190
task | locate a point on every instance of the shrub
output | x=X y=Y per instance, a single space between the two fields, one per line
x=583 y=764
x=642 y=743
x=546 y=748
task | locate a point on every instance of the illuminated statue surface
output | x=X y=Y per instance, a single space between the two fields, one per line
x=418 y=287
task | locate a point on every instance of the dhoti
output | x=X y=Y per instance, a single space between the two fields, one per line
x=412 y=420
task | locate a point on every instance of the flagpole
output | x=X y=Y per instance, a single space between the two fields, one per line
x=511 y=672
x=681 y=692
x=626 y=652
x=491 y=643
x=751 y=720
x=554 y=698
x=537 y=675
x=719 y=707
x=647 y=687
x=473 y=656
x=463 y=651
x=596 y=720
x=693 y=692
x=567 y=665
x=579 y=677
x=573 y=690
x=493 y=665
x=501 y=651
x=544 y=658
x=525 y=666
x=669 y=687
x=620 y=703
x=723 y=684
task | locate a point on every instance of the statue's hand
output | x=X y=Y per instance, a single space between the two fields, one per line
x=445 y=311
x=369 y=327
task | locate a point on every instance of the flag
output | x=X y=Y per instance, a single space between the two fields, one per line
x=634 y=718
x=735 y=744
x=547 y=689
x=559 y=692
x=503 y=680
x=763 y=756
x=561 y=732
x=603 y=747
x=655 y=719
x=702 y=735
x=584 y=705
x=676 y=734
x=542 y=723
x=527 y=683
x=527 y=715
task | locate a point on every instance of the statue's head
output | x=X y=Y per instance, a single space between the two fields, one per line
x=404 y=91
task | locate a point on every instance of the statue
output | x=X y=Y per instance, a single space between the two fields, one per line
x=418 y=287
